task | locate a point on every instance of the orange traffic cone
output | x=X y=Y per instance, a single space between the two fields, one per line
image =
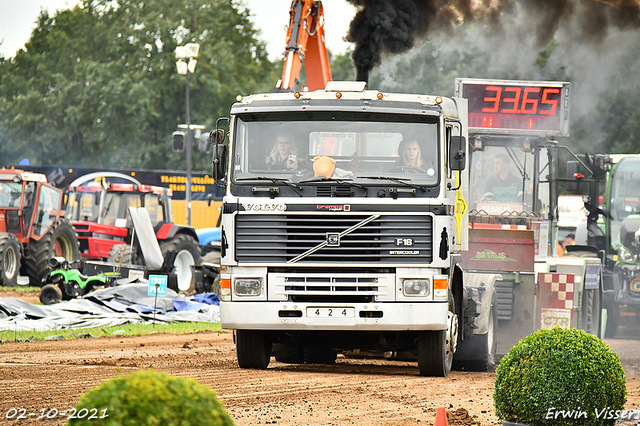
x=441 y=417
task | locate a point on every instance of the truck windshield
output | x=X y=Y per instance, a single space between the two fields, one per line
x=502 y=182
x=338 y=145
x=625 y=200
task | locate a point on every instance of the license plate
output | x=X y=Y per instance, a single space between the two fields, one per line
x=331 y=312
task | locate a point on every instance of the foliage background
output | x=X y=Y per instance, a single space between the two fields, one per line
x=97 y=86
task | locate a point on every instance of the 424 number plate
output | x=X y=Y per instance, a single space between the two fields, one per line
x=330 y=312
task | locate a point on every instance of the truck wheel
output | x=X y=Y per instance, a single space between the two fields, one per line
x=9 y=260
x=479 y=350
x=613 y=320
x=187 y=254
x=253 y=349
x=288 y=353
x=590 y=316
x=314 y=354
x=50 y=294
x=436 y=348
x=60 y=240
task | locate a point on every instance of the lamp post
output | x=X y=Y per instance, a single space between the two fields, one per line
x=186 y=64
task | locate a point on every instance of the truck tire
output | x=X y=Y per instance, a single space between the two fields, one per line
x=60 y=240
x=480 y=349
x=613 y=320
x=288 y=353
x=435 y=349
x=253 y=349
x=9 y=260
x=590 y=315
x=187 y=254
x=50 y=294
x=314 y=354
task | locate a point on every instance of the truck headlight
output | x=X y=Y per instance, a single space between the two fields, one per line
x=247 y=286
x=625 y=254
x=416 y=287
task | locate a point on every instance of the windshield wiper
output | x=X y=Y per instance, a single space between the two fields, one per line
x=274 y=180
x=336 y=180
x=396 y=180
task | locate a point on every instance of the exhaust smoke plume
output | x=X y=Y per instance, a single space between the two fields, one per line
x=393 y=26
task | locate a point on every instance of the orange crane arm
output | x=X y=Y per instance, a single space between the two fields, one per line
x=305 y=43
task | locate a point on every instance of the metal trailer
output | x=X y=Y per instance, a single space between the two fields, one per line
x=512 y=265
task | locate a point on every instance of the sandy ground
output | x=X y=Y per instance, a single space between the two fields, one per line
x=39 y=377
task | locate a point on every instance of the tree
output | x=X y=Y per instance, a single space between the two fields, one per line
x=97 y=84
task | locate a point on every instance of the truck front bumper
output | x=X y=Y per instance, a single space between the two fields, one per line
x=321 y=316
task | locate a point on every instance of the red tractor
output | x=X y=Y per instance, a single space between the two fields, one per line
x=98 y=208
x=33 y=228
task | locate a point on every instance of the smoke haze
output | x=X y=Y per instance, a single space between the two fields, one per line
x=394 y=26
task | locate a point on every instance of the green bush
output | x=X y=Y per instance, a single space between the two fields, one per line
x=150 y=398
x=560 y=377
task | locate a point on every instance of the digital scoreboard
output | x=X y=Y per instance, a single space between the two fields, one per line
x=516 y=107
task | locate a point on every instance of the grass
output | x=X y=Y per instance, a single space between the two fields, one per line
x=121 y=330
x=21 y=289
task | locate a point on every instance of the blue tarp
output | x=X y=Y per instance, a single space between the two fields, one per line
x=121 y=304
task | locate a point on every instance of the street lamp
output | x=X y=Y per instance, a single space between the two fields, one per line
x=186 y=64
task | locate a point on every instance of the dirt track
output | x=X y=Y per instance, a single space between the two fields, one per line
x=53 y=374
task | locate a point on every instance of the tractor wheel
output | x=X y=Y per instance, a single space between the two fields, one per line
x=187 y=255
x=120 y=254
x=9 y=260
x=61 y=240
x=50 y=294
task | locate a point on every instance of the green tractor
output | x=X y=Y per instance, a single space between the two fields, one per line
x=65 y=283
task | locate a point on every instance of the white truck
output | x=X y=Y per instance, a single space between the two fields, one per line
x=335 y=234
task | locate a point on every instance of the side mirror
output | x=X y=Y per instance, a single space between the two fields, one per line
x=572 y=173
x=457 y=152
x=216 y=136
x=219 y=161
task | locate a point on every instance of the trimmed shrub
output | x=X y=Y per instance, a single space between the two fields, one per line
x=150 y=398
x=560 y=377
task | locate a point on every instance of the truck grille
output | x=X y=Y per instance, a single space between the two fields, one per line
x=338 y=288
x=390 y=239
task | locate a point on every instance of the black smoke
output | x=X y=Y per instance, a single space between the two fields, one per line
x=393 y=26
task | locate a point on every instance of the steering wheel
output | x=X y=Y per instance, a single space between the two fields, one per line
x=404 y=169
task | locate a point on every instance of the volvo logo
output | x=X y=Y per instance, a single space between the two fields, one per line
x=271 y=207
x=333 y=239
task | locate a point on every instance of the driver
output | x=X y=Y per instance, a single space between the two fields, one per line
x=284 y=155
x=410 y=154
x=503 y=186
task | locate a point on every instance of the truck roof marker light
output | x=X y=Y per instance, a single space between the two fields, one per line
x=438 y=100
x=379 y=95
x=438 y=284
x=338 y=95
x=297 y=95
x=239 y=98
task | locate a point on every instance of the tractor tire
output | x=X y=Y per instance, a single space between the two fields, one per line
x=187 y=254
x=9 y=260
x=61 y=240
x=120 y=254
x=50 y=294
